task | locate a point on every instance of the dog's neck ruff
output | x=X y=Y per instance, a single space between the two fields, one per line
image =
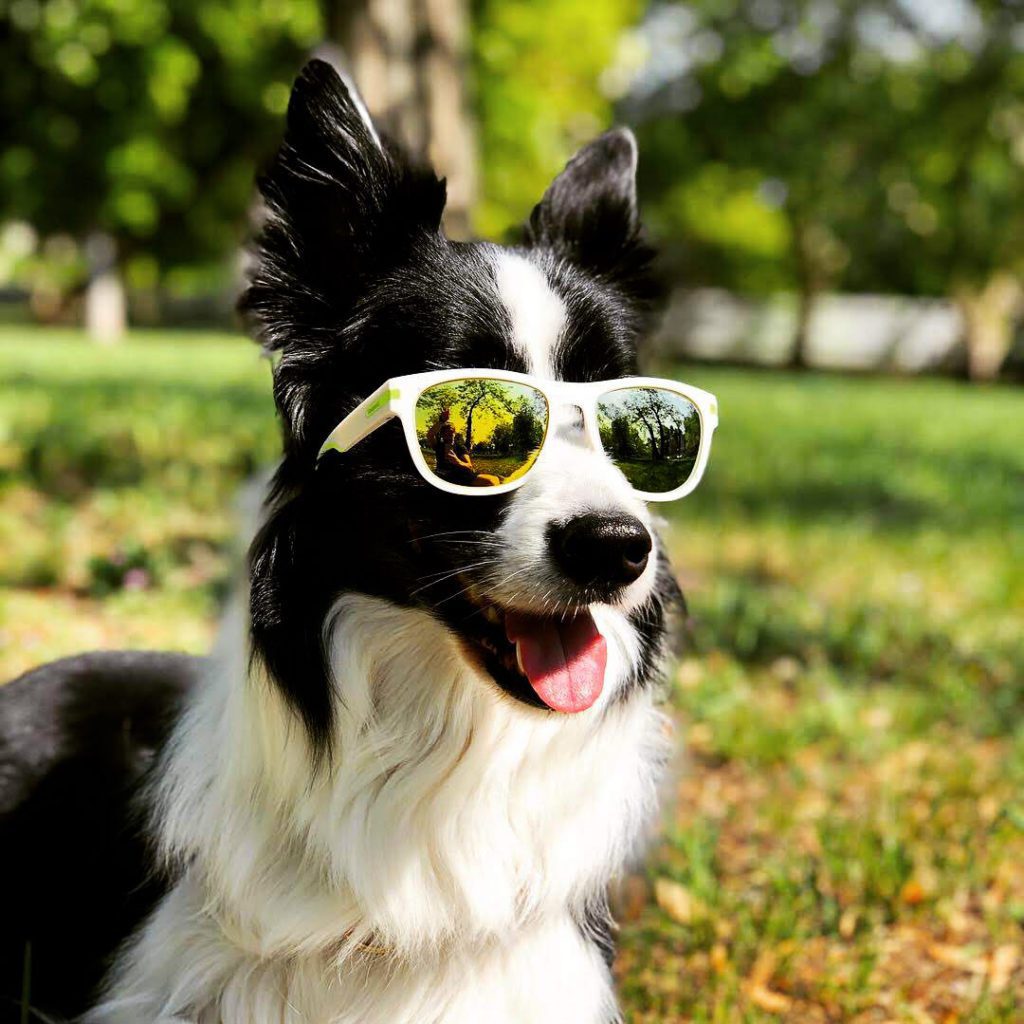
x=451 y=825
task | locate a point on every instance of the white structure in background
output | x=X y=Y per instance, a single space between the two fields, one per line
x=847 y=332
x=106 y=306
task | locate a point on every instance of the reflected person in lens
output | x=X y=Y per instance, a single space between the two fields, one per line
x=452 y=461
x=480 y=432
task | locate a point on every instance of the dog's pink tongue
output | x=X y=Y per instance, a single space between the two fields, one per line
x=564 y=661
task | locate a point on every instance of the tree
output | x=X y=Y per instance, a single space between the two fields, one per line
x=873 y=146
x=659 y=416
x=759 y=149
x=954 y=184
x=409 y=60
x=467 y=397
x=138 y=126
x=502 y=439
x=542 y=90
x=618 y=437
x=527 y=429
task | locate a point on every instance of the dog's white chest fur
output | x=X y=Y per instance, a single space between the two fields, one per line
x=458 y=831
x=185 y=970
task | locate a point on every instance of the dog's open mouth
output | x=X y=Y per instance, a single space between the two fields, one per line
x=556 y=662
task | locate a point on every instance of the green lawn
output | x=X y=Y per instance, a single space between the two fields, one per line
x=845 y=837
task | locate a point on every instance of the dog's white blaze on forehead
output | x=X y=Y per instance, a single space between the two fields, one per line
x=536 y=312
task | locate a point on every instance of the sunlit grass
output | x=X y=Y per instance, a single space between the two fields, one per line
x=119 y=469
x=848 y=838
x=845 y=841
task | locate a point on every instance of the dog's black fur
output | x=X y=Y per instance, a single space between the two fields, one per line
x=353 y=283
x=77 y=738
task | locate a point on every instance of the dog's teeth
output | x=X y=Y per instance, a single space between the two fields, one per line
x=491 y=614
x=519 y=658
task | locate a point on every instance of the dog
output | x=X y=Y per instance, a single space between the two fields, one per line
x=359 y=808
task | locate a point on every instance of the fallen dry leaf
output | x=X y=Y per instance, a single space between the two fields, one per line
x=763 y=969
x=1001 y=967
x=767 y=1000
x=678 y=902
x=719 y=958
x=912 y=892
x=629 y=898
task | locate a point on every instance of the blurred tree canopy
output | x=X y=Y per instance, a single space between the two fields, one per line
x=539 y=71
x=797 y=145
x=143 y=120
x=874 y=146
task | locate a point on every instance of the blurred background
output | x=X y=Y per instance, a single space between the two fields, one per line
x=838 y=192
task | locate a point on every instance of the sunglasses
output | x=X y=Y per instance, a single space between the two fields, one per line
x=481 y=431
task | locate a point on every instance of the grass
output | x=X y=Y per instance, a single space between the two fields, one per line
x=118 y=472
x=504 y=467
x=844 y=838
x=656 y=477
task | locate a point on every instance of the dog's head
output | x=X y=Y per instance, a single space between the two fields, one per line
x=353 y=282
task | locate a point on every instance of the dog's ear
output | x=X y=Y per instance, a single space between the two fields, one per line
x=589 y=213
x=341 y=202
x=290 y=597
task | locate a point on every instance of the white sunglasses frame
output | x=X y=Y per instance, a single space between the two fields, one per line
x=397 y=397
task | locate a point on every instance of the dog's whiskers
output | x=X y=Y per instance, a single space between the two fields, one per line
x=447 y=575
x=451 y=533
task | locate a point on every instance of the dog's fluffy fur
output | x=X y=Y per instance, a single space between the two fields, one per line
x=359 y=816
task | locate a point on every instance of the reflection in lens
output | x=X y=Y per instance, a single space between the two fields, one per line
x=652 y=435
x=480 y=432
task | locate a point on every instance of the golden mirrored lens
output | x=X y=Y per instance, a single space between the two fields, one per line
x=480 y=432
x=652 y=435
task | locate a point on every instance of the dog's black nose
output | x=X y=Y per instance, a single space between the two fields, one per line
x=600 y=549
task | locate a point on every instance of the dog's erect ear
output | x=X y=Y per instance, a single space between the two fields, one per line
x=341 y=203
x=589 y=213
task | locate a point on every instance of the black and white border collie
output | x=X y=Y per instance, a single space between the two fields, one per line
x=359 y=810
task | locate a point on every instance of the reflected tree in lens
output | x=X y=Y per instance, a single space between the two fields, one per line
x=479 y=431
x=468 y=397
x=653 y=436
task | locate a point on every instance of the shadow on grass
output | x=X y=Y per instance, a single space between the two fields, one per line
x=71 y=436
x=863 y=646
x=895 y=489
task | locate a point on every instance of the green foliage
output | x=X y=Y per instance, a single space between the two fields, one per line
x=118 y=473
x=619 y=435
x=538 y=75
x=132 y=569
x=144 y=120
x=805 y=144
x=527 y=429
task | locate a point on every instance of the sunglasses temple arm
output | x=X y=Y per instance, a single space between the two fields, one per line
x=363 y=420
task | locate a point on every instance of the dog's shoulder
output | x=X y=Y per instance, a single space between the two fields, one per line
x=77 y=740
x=106 y=707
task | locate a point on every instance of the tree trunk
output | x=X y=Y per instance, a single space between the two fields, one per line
x=989 y=313
x=408 y=58
x=802 y=335
x=106 y=307
x=655 y=455
x=661 y=435
x=810 y=281
x=469 y=424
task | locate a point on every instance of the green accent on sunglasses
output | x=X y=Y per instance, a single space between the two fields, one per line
x=381 y=402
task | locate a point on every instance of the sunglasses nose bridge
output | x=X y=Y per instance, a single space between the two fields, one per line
x=567 y=421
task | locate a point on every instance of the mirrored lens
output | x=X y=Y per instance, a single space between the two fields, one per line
x=652 y=435
x=480 y=432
